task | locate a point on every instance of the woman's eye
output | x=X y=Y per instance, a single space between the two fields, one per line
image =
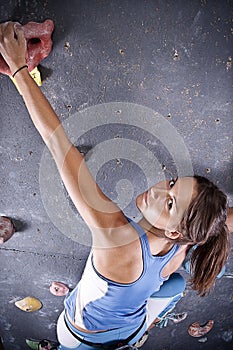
x=172 y=183
x=170 y=203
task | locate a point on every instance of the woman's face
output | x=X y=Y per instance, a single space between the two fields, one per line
x=164 y=204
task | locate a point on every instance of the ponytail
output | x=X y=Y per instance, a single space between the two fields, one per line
x=204 y=225
x=207 y=261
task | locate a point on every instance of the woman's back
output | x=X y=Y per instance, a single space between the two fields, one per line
x=99 y=303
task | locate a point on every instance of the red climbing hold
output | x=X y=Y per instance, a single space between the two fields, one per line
x=39 y=44
x=7 y=229
x=59 y=289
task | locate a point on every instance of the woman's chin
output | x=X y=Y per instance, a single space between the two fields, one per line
x=139 y=201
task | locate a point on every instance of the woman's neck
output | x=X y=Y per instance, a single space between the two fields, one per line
x=159 y=244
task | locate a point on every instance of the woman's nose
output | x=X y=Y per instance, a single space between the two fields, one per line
x=159 y=193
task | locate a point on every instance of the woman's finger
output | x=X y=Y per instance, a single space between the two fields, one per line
x=8 y=30
x=19 y=33
x=2 y=26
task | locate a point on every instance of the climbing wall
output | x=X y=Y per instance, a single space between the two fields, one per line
x=144 y=89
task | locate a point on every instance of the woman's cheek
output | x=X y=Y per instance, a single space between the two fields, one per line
x=139 y=202
x=155 y=217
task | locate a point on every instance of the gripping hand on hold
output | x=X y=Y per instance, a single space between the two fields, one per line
x=13 y=45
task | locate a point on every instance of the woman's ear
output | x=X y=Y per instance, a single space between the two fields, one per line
x=173 y=234
x=229 y=221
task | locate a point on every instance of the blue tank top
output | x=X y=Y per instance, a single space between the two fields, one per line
x=98 y=303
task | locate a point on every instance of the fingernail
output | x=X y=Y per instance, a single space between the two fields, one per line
x=17 y=26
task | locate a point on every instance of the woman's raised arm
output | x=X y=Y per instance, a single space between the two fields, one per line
x=100 y=214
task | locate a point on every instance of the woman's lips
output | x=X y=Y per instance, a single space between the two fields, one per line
x=145 y=196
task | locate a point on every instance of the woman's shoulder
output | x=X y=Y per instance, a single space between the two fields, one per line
x=122 y=261
x=175 y=261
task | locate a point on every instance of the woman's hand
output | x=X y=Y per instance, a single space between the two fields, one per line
x=13 y=45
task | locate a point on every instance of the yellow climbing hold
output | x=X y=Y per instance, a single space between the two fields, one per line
x=29 y=304
x=35 y=74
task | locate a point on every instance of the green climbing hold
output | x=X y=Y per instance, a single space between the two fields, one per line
x=32 y=343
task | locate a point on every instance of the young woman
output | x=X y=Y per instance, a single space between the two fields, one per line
x=129 y=278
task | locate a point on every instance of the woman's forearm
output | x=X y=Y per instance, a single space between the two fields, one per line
x=13 y=48
x=44 y=117
x=40 y=110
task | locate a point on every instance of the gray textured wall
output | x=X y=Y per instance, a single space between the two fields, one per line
x=173 y=57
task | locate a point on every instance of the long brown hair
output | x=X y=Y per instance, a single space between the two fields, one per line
x=204 y=224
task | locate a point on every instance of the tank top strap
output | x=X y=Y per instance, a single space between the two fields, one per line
x=146 y=252
x=145 y=242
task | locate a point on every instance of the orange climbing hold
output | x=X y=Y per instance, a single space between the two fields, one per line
x=39 y=44
x=197 y=330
